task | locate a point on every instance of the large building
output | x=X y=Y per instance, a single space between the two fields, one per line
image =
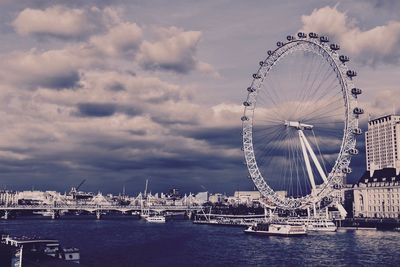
x=376 y=194
x=382 y=142
x=247 y=197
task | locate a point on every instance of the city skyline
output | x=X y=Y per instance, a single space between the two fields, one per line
x=116 y=95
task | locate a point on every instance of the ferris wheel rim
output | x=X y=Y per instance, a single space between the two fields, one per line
x=329 y=52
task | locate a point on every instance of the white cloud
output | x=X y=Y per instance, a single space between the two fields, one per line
x=175 y=50
x=378 y=44
x=31 y=69
x=120 y=39
x=54 y=21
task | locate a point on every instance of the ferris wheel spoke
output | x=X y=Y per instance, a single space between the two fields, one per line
x=264 y=152
x=269 y=97
x=310 y=88
x=326 y=77
x=326 y=93
x=272 y=109
x=304 y=83
x=328 y=99
x=325 y=115
x=271 y=152
x=273 y=88
x=269 y=136
x=273 y=137
x=314 y=92
x=307 y=94
x=322 y=110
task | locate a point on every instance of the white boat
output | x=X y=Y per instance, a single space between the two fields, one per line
x=278 y=229
x=316 y=224
x=156 y=219
x=322 y=226
x=46 y=213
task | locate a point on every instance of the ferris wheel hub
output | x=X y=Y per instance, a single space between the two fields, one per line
x=298 y=125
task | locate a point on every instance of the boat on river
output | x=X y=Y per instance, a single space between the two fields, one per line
x=156 y=219
x=277 y=229
x=315 y=224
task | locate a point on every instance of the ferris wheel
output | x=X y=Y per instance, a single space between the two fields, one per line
x=300 y=121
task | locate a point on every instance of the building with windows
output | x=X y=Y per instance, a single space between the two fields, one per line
x=377 y=193
x=382 y=142
x=247 y=197
x=217 y=198
x=201 y=198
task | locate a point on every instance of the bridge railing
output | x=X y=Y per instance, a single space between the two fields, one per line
x=96 y=207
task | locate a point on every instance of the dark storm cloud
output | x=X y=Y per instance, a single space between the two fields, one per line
x=227 y=137
x=386 y=4
x=106 y=156
x=96 y=109
x=64 y=81
x=179 y=67
x=105 y=110
x=165 y=119
x=137 y=132
x=116 y=87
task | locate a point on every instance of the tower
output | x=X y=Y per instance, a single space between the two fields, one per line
x=382 y=142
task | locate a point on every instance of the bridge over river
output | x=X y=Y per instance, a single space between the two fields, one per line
x=57 y=209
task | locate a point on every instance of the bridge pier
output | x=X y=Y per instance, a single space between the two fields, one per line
x=189 y=214
x=54 y=215
x=98 y=214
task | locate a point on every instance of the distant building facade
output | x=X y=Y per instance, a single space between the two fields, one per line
x=247 y=197
x=382 y=142
x=377 y=193
x=217 y=198
x=377 y=196
x=201 y=198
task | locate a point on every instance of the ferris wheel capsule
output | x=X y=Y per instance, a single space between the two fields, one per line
x=313 y=35
x=244 y=118
x=251 y=89
x=256 y=76
x=353 y=151
x=261 y=63
x=346 y=170
x=324 y=39
x=269 y=52
x=290 y=38
x=356 y=91
x=279 y=44
x=358 y=111
x=334 y=47
x=246 y=104
x=357 y=131
x=351 y=73
x=301 y=35
x=344 y=58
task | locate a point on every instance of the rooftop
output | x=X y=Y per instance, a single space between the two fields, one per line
x=384 y=175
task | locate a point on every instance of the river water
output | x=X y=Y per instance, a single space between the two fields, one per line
x=180 y=243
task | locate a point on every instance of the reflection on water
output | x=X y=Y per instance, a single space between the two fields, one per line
x=133 y=243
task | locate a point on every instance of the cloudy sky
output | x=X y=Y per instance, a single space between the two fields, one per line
x=117 y=92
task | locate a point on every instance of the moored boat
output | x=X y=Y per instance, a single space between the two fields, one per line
x=156 y=219
x=315 y=224
x=278 y=229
